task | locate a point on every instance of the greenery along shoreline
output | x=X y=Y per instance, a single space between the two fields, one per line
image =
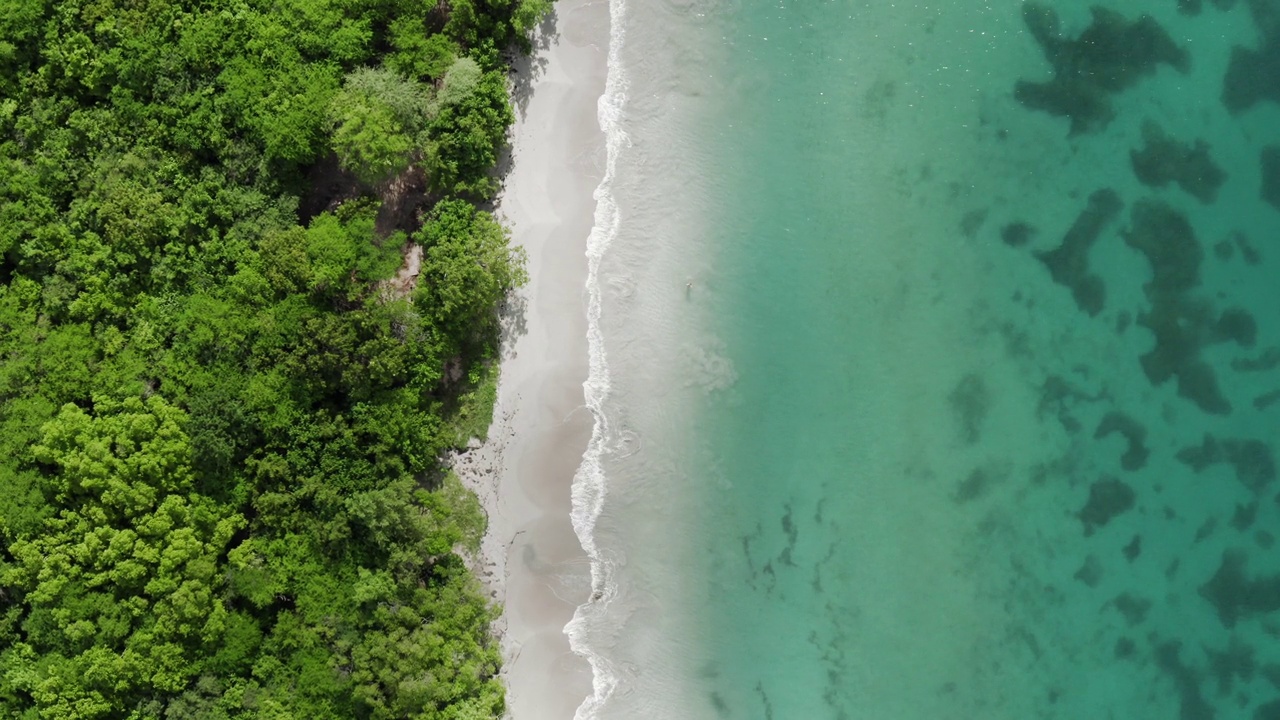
x=222 y=399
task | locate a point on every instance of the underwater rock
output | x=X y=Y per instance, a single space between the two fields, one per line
x=1247 y=250
x=1017 y=234
x=1068 y=263
x=1253 y=76
x=1090 y=572
x=1133 y=549
x=1236 y=325
x=1135 y=457
x=1235 y=595
x=1244 y=516
x=1268 y=711
x=1252 y=460
x=1234 y=661
x=1206 y=529
x=1125 y=648
x=1268 y=360
x=1193 y=7
x=1199 y=457
x=972 y=487
x=972 y=222
x=1182 y=324
x=1266 y=400
x=1186 y=680
x=1108 y=498
x=1163 y=160
x=1176 y=355
x=1058 y=398
x=970 y=402
x=1134 y=609
x=1165 y=237
x=1270 y=160
x=1110 y=55
x=764 y=702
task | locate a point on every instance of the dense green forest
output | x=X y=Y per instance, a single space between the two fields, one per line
x=223 y=399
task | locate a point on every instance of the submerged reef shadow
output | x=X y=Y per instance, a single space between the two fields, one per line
x=1134 y=433
x=1163 y=160
x=1269 y=160
x=1252 y=460
x=970 y=402
x=1193 y=7
x=1109 y=56
x=1017 y=234
x=1108 y=499
x=1068 y=263
x=1182 y=324
x=1237 y=596
x=1186 y=680
x=1251 y=74
x=1237 y=660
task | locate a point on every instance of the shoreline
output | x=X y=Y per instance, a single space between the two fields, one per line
x=531 y=560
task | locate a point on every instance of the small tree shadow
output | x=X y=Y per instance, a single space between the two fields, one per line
x=501 y=170
x=512 y=322
x=327 y=187
x=528 y=68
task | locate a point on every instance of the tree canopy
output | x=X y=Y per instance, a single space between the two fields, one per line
x=222 y=410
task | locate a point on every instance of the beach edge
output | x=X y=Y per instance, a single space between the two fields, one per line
x=531 y=561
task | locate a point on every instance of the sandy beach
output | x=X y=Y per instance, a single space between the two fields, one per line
x=532 y=561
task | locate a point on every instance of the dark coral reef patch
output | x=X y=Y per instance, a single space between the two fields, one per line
x=1108 y=498
x=1068 y=263
x=1111 y=55
x=1253 y=76
x=1135 y=435
x=970 y=401
x=1163 y=160
x=1269 y=158
x=1182 y=323
x=1235 y=595
x=1193 y=7
x=1017 y=234
x=1187 y=681
x=1252 y=459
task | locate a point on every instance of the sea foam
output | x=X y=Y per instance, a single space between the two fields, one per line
x=590 y=484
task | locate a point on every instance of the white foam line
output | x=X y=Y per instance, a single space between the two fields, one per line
x=589 y=483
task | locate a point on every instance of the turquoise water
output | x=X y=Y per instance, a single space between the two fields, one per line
x=970 y=407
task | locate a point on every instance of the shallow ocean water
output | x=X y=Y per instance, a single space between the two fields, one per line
x=942 y=351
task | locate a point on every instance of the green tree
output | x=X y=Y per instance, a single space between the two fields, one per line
x=466 y=137
x=122 y=585
x=221 y=415
x=526 y=16
x=418 y=54
x=459 y=83
x=375 y=121
x=468 y=267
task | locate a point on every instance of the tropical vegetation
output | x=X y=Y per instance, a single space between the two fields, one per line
x=248 y=301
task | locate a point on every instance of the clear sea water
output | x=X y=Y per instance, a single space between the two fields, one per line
x=929 y=386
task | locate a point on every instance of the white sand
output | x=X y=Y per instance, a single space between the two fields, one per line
x=533 y=562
